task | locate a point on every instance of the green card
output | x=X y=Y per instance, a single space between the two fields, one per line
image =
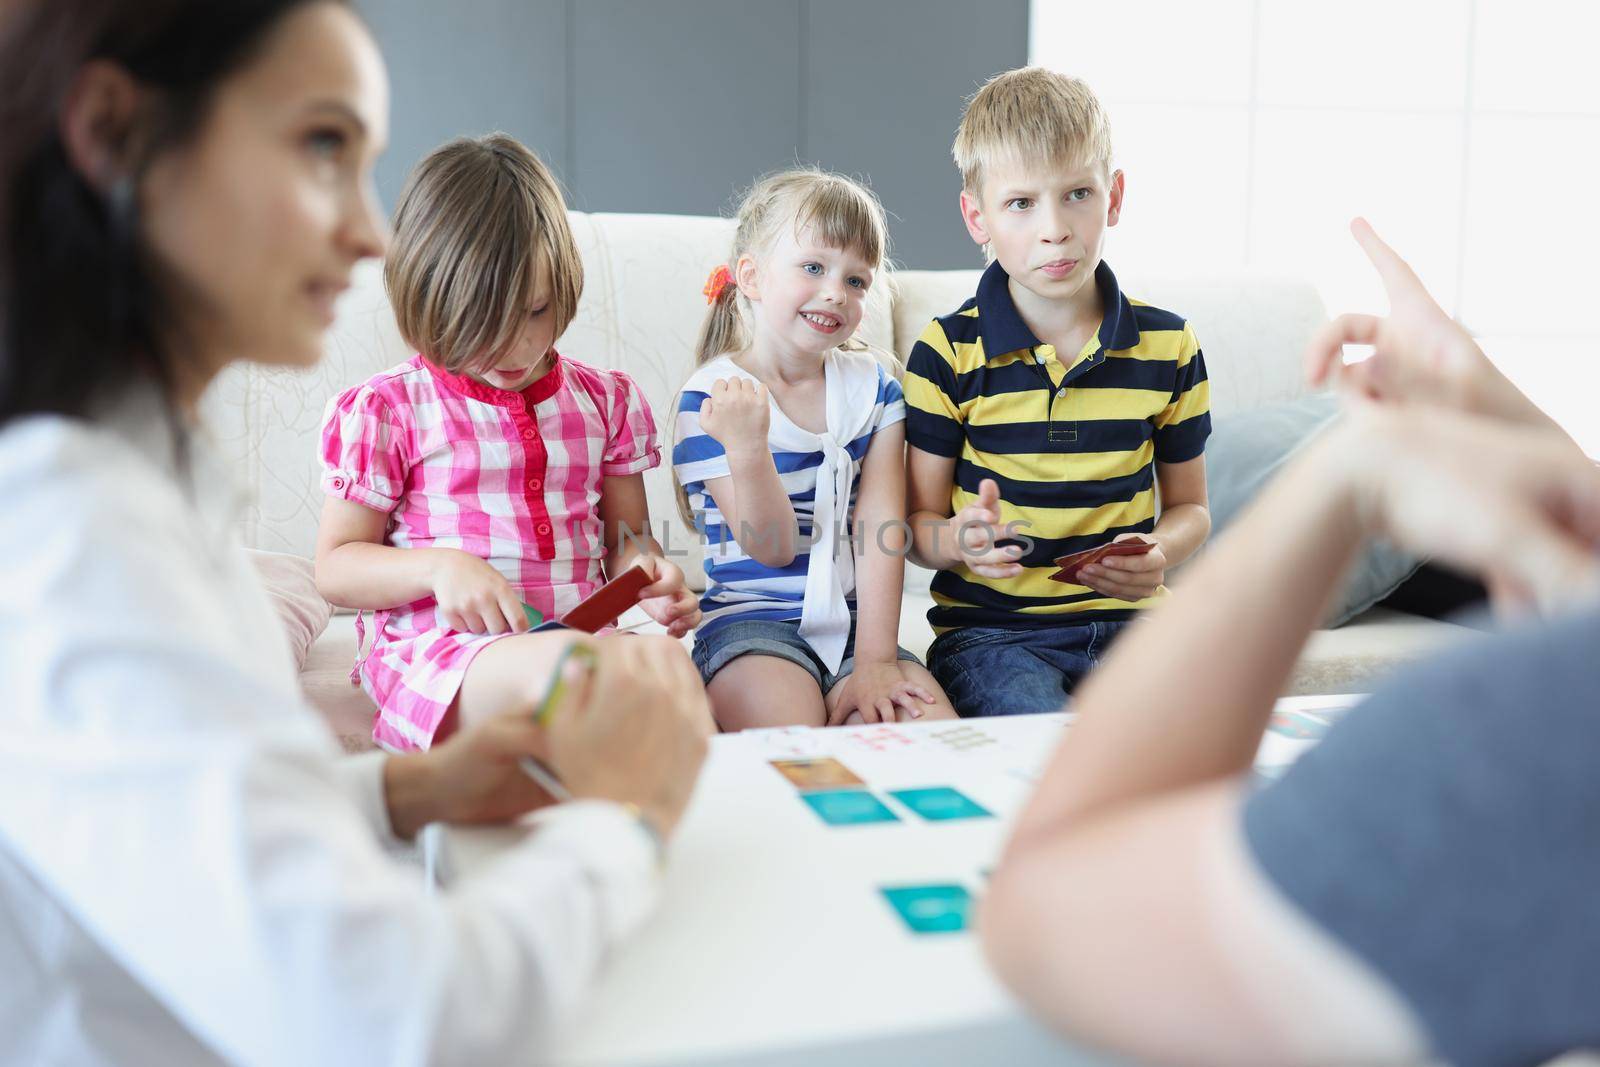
x=938 y=803
x=535 y=617
x=931 y=909
x=849 y=807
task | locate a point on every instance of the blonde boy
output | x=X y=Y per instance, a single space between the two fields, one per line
x=1043 y=414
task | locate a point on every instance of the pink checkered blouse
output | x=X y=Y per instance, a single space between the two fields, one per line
x=513 y=478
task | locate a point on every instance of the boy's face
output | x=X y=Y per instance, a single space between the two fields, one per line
x=1046 y=225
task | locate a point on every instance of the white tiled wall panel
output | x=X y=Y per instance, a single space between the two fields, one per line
x=1467 y=131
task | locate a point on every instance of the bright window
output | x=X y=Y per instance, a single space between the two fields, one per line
x=1467 y=131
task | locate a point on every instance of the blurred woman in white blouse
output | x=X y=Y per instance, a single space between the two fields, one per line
x=189 y=871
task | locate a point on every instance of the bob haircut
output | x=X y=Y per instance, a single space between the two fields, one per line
x=480 y=224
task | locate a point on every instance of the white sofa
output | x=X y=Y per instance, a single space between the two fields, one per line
x=640 y=311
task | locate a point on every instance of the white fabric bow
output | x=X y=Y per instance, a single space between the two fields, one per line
x=851 y=381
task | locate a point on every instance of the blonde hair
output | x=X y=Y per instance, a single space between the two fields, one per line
x=478 y=221
x=1031 y=115
x=840 y=211
x=843 y=213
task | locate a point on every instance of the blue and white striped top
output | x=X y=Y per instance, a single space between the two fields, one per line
x=738 y=587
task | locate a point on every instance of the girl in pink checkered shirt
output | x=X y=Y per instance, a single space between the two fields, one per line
x=489 y=471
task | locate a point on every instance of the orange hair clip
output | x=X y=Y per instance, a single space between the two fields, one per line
x=720 y=279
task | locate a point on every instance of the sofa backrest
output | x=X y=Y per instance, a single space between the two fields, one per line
x=641 y=311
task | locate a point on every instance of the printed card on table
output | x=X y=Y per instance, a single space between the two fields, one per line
x=823 y=773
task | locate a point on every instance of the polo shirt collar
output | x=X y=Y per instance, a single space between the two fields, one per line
x=1004 y=331
x=539 y=391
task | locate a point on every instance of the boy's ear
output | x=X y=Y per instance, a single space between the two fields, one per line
x=747 y=277
x=97 y=123
x=972 y=215
x=1114 y=199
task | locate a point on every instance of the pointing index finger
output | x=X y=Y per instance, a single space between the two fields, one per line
x=1395 y=272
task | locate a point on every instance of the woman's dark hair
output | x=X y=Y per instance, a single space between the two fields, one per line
x=83 y=307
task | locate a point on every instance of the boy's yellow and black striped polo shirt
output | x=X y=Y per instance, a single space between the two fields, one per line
x=1072 y=441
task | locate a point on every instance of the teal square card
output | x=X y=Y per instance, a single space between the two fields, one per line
x=849 y=807
x=931 y=909
x=939 y=803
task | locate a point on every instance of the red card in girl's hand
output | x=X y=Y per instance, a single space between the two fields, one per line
x=605 y=604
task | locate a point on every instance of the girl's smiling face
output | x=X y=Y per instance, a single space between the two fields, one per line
x=805 y=295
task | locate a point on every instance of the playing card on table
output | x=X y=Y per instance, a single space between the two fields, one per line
x=823 y=773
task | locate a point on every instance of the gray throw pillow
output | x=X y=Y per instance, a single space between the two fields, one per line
x=1245 y=451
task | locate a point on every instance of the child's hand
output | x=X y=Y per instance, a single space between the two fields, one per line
x=474 y=597
x=736 y=415
x=666 y=599
x=878 y=692
x=1127 y=577
x=977 y=528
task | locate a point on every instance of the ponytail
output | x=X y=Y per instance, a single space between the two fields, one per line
x=723 y=329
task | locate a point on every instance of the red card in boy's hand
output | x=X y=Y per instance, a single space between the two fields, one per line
x=1078 y=559
x=1071 y=564
x=605 y=604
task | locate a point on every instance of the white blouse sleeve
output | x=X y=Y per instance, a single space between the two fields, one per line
x=193 y=815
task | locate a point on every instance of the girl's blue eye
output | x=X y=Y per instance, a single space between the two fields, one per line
x=812 y=268
x=856 y=281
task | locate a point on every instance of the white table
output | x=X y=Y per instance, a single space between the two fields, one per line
x=773 y=944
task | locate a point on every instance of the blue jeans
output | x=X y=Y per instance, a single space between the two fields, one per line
x=993 y=671
x=768 y=637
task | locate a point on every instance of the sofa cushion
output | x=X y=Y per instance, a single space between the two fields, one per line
x=1248 y=448
x=1351 y=659
x=325 y=681
x=291 y=585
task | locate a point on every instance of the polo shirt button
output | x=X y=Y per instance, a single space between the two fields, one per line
x=544 y=529
x=528 y=435
x=338 y=483
x=535 y=483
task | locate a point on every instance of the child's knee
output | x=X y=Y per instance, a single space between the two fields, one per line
x=657 y=643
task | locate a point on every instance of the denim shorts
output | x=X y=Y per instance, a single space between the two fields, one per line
x=766 y=637
x=994 y=671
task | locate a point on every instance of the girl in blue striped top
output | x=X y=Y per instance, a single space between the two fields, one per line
x=789 y=459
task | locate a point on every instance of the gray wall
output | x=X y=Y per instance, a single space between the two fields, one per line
x=675 y=105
